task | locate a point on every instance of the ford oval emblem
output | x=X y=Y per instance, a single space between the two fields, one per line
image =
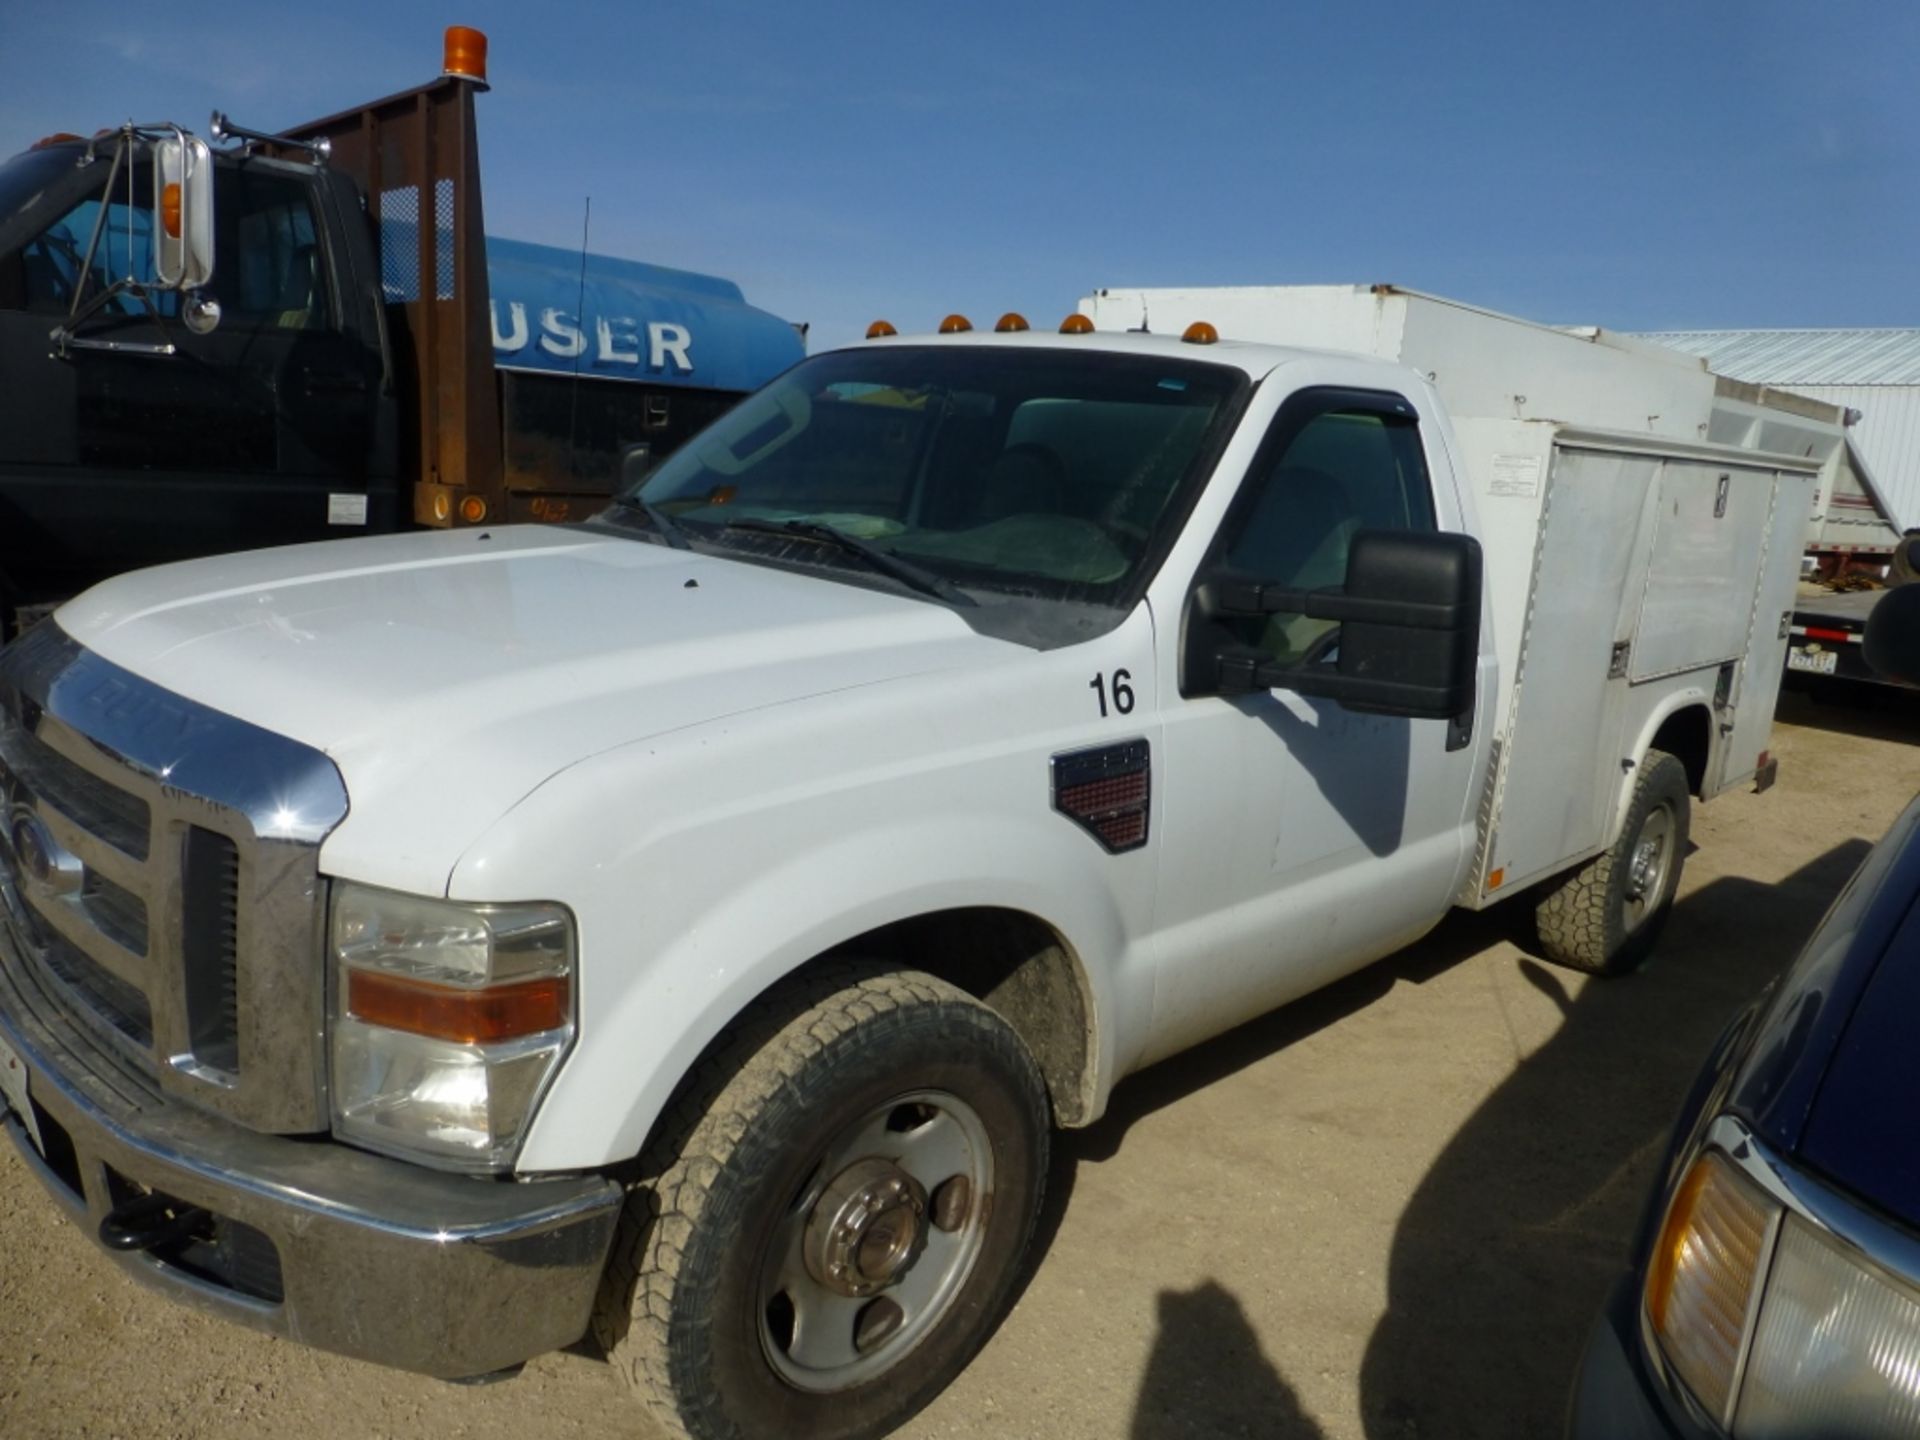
x=43 y=861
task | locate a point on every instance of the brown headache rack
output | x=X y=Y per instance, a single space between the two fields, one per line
x=416 y=158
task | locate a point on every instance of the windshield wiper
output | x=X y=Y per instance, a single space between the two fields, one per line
x=905 y=571
x=669 y=529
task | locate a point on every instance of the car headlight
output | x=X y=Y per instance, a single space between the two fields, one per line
x=448 y=1021
x=1837 y=1344
x=1776 y=1327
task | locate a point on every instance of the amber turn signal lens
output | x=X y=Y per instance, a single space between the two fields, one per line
x=1011 y=323
x=457 y=1014
x=170 y=208
x=1201 y=333
x=466 y=53
x=955 y=325
x=879 y=330
x=1077 y=324
x=473 y=509
x=1701 y=1274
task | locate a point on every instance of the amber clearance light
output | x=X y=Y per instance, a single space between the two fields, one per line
x=465 y=53
x=170 y=208
x=1077 y=324
x=455 y=1013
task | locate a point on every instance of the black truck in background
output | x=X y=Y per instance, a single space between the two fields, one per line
x=283 y=338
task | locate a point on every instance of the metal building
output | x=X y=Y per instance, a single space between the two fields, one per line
x=1876 y=372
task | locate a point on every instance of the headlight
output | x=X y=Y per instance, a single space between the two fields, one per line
x=1776 y=1327
x=448 y=1022
x=1837 y=1349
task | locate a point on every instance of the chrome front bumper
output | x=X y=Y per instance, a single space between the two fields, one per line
x=368 y=1257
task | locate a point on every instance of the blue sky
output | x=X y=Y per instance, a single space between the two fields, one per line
x=1639 y=165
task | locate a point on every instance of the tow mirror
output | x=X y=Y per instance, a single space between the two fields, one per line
x=1892 y=641
x=183 y=213
x=1409 y=640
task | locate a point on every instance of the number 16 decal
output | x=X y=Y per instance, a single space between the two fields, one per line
x=1121 y=691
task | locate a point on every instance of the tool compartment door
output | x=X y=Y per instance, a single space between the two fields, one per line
x=1747 y=720
x=1560 y=766
x=1710 y=532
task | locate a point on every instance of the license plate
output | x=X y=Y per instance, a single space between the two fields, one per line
x=1820 y=662
x=13 y=1089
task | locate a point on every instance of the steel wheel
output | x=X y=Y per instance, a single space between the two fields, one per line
x=1647 y=866
x=872 y=1254
x=835 y=1224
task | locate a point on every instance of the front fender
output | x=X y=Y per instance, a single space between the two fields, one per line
x=689 y=909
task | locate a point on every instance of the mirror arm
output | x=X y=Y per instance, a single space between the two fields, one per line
x=1246 y=674
x=1250 y=598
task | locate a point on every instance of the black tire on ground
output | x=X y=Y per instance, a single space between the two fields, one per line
x=1605 y=917
x=804 y=1181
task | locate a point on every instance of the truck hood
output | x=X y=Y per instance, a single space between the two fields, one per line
x=448 y=674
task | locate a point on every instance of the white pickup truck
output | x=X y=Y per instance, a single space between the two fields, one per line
x=692 y=923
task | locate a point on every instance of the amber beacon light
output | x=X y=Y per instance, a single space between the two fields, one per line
x=466 y=54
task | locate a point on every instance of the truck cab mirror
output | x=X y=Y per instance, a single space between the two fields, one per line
x=1893 y=635
x=1408 y=642
x=636 y=463
x=183 y=213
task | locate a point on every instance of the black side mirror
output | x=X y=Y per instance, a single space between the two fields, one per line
x=1409 y=642
x=1893 y=635
x=636 y=463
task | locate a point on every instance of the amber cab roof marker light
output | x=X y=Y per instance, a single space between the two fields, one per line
x=1077 y=324
x=466 y=54
x=880 y=330
x=1201 y=333
x=1011 y=323
x=955 y=325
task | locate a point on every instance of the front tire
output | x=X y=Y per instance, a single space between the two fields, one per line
x=1605 y=917
x=843 y=1200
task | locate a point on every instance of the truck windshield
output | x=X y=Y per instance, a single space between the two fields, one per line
x=1046 y=473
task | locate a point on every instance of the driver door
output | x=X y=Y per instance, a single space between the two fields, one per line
x=1302 y=839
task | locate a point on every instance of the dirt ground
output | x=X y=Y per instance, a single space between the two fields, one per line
x=1391 y=1210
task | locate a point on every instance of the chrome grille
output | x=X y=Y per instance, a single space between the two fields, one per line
x=159 y=877
x=95 y=805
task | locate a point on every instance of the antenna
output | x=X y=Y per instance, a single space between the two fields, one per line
x=580 y=317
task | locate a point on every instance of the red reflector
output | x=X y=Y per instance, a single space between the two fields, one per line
x=1821 y=633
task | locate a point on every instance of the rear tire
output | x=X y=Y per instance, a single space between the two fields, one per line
x=1605 y=917
x=844 y=1196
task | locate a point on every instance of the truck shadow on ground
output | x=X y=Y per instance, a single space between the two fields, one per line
x=1510 y=1243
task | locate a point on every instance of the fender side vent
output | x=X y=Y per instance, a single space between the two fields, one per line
x=1107 y=792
